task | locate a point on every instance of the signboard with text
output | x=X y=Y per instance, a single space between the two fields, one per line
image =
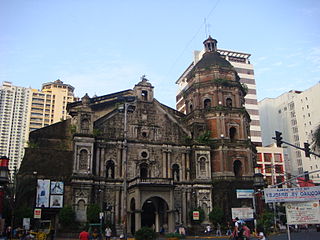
x=301 y=194
x=242 y=213
x=245 y=193
x=37 y=213
x=196 y=215
x=303 y=213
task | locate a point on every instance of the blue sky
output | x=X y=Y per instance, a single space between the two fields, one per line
x=104 y=46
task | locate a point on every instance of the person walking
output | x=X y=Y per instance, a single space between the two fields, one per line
x=260 y=234
x=84 y=235
x=218 y=231
x=108 y=233
x=229 y=231
x=246 y=232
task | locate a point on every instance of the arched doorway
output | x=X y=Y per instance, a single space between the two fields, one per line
x=237 y=168
x=232 y=133
x=154 y=213
x=133 y=216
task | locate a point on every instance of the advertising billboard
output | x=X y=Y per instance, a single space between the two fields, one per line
x=300 y=194
x=303 y=212
x=43 y=192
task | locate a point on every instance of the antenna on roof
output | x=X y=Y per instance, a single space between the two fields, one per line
x=205 y=28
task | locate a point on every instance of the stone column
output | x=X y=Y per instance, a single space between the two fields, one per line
x=102 y=163
x=184 y=211
x=119 y=161
x=171 y=220
x=98 y=161
x=138 y=210
x=117 y=206
x=157 y=222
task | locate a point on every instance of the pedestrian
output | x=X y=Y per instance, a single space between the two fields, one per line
x=218 y=231
x=208 y=229
x=108 y=233
x=260 y=234
x=84 y=235
x=182 y=231
x=95 y=234
x=246 y=232
x=229 y=231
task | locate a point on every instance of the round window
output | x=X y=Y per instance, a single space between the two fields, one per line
x=144 y=154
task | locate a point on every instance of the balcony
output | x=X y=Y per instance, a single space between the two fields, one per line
x=151 y=182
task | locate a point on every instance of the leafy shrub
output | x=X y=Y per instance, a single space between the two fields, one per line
x=66 y=216
x=145 y=233
x=216 y=215
x=173 y=235
x=93 y=211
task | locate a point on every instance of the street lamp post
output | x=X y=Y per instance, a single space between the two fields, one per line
x=258 y=182
x=127 y=107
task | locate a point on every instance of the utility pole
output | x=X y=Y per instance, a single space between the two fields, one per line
x=127 y=100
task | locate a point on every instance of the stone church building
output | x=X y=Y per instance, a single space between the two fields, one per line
x=147 y=164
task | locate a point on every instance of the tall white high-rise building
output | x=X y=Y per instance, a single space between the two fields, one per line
x=25 y=109
x=296 y=114
x=14 y=115
x=241 y=63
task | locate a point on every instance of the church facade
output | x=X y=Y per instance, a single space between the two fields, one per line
x=146 y=164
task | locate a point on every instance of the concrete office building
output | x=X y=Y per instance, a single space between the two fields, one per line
x=14 y=112
x=270 y=162
x=49 y=105
x=296 y=114
x=241 y=63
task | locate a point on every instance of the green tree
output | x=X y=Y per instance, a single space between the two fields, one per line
x=145 y=233
x=93 y=211
x=266 y=220
x=67 y=216
x=216 y=215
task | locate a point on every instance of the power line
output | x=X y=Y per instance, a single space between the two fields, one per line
x=194 y=36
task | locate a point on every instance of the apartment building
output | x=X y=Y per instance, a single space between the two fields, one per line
x=296 y=114
x=271 y=163
x=48 y=105
x=14 y=115
x=241 y=63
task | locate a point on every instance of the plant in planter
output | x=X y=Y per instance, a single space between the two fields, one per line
x=145 y=233
x=173 y=236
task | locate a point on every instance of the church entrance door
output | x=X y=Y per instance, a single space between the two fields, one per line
x=154 y=213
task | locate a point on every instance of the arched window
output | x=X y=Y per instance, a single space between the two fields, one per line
x=85 y=126
x=190 y=108
x=205 y=207
x=207 y=103
x=144 y=95
x=237 y=168
x=110 y=169
x=144 y=170
x=229 y=102
x=81 y=205
x=202 y=164
x=176 y=172
x=83 y=160
x=232 y=133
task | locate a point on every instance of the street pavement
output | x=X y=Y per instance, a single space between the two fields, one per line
x=311 y=235
x=308 y=235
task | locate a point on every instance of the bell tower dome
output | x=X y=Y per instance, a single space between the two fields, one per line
x=210 y=44
x=144 y=90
